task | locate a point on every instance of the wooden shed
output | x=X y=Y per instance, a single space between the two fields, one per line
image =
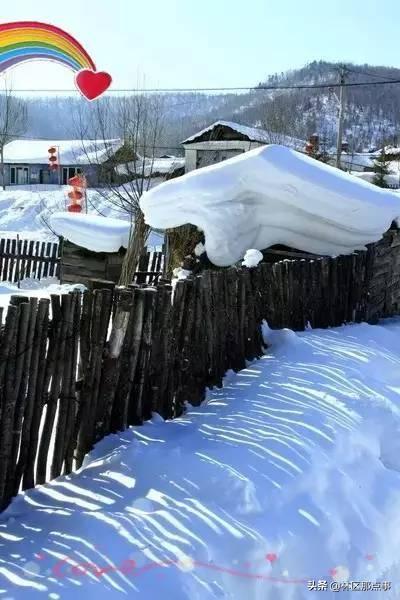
x=79 y=265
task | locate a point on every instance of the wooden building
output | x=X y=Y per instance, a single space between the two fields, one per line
x=225 y=139
x=26 y=162
x=80 y=265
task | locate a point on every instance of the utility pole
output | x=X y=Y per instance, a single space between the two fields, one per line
x=340 y=118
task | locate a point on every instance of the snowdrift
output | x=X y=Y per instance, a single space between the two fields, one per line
x=273 y=195
x=289 y=474
x=94 y=232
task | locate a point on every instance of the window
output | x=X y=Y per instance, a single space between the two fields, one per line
x=69 y=172
x=19 y=175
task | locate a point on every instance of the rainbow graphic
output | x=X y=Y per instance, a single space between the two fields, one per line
x=24 y=41
x=29 y=40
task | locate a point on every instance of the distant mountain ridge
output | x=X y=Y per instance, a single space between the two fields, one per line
x=372 y=113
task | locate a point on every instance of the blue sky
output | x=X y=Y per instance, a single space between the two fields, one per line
x=199 y=43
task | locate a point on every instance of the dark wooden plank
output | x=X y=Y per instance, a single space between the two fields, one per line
x=53 y=260
x=111 y=372
x=12 y=274
x=25 y=445
x=47 y=252
x=2 y=258
x=70 y=441
x=25 y=345
x=39 y=391
x=8 y=397
x=29 y=265
x=63 y=374
x=53 y=378
x=4 y=275
x=123 y=410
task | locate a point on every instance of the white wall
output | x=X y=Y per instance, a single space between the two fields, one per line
x=191 y=150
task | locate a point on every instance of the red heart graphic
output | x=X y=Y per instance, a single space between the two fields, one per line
x=92 y=84
x=271 y=557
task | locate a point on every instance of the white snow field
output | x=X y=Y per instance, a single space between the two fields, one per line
x=289 y=474
x=273 y=195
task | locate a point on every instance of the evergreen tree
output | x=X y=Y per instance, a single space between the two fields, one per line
x=381 y=169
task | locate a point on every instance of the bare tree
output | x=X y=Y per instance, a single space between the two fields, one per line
x=281 y=118
x=126 y=171
x=13 y=122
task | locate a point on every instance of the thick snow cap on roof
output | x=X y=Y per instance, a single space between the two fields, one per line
x=94 y=232
x=253 y=134
x=71 y=152
x=273 y=195
x=151 y=166
x=359 y=159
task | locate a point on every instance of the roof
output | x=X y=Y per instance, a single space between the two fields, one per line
x=253 y=134
x=72 y=152
x=392 y=150
x=273 y=195
x=151 y=166
x=358 y=159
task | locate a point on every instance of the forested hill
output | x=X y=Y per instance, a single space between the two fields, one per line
x=372 y=112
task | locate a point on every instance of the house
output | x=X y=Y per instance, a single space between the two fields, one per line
x=27 y=161
x=225 y=139
x=164 y=167
x=362 y=162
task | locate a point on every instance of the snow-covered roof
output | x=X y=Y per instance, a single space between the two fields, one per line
x=392 y=179
x=392 y=150
x=253 y=134
x=358 y=159
x=273 y=195
x=94 y=232
x=71 y=152
x=162 y=166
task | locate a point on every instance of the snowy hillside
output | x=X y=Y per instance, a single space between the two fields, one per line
x=372 y=113
x=288 y=475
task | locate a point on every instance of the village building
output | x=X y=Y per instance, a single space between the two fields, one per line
x=225 y=139
x=360 y=162
x=27 y=161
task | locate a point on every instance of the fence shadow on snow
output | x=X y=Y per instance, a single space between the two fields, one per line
x=82 y=365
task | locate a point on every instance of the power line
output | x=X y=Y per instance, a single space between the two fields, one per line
x=220 y=89
x=357 y=72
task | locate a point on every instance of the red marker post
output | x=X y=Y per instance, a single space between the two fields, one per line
x=77 y=193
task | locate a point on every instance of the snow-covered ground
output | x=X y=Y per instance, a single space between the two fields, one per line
x=289 y=474
x=38 y=288
x=26 y=210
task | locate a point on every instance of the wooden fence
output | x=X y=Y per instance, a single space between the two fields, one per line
x=20 y=259
x=79 y=366
x=150 y=267
x=101 y=362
